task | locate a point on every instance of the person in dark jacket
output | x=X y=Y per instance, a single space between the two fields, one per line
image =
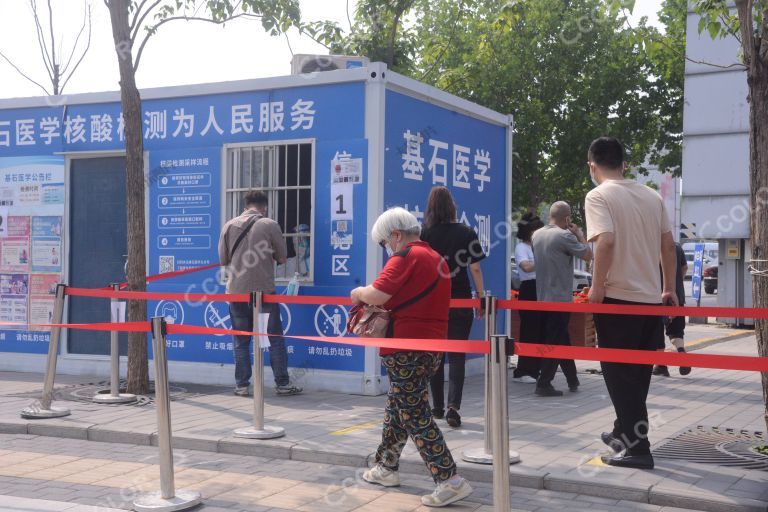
x=458 y=244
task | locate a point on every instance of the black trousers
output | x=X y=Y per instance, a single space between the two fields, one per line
x=676 y=327
x=459 y=327
x=556 y=333
x=531 y=331
x=628 y=384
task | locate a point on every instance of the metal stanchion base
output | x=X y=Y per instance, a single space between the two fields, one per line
x=33 y=412
x=154 y=502
x=480 y=456
x=108 y=398
x=265 y=433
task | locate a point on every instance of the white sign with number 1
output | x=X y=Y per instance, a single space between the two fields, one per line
x=341 y=201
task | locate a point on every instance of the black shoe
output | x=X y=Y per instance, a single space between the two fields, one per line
x=661 y=370
x=438 y=414
x=573 y=389
x=453 y=418
x=547 y=391
x=629 y=461
x=684 y=370
x=614 y=442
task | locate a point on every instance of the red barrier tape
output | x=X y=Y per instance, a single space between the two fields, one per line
x=186 y=297
x=622 y=309
x=168 y=275
x=613 y=355
x=230 y=297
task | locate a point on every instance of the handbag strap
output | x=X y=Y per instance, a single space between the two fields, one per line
x=418 y=297
x=244 y=232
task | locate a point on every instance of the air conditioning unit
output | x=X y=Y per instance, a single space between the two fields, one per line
x=303 y=63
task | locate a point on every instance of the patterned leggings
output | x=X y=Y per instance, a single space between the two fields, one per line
x=408 y=414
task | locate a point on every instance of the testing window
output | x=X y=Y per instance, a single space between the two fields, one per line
x=284 y=173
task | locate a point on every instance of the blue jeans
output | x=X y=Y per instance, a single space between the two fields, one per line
x=241 y=315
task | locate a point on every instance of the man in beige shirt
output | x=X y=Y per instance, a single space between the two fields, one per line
x=249 y=246
x=630 y=228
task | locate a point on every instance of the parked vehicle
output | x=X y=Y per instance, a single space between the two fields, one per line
x=710 y=279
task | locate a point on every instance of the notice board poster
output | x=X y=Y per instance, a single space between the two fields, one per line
x=46 y=244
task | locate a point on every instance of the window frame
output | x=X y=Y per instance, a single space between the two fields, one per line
x=274 y=144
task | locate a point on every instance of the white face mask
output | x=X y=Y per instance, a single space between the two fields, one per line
x=389 y=250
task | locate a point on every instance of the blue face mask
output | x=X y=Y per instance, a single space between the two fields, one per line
x=594 y=181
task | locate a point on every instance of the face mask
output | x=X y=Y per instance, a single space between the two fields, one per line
x=389 y=250
x=594 y=181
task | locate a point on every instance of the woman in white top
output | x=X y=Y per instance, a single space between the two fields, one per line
x=531 y=327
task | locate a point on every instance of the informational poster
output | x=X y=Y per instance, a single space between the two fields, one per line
x=14 y=290
x=32 y=181
x=42 y=291
x=3 y=221
x=43 y=285
x=46 y=244
x=14 y=254
x=345 y=169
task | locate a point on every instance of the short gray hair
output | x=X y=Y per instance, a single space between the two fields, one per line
x=394 y=219
x=560 y=210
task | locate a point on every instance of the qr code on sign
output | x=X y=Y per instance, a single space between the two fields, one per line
x=167 y=264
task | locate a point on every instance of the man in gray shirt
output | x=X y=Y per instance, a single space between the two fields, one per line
x=554 y=247
x=249 y=246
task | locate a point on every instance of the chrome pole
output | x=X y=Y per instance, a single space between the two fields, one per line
x=167 y=499
x=44 y=409
x=484 y=455
x=258 y=430
x=114 y=396
x=500 y=430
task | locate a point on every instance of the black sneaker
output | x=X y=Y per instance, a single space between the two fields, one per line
x=611 y=440
x=547 y=391
x=684 y=370
x=438 y=414
x=453 y=418
x=661 y=370
x=574 y=388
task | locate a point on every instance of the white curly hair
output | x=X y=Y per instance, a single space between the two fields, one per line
x=395 y=219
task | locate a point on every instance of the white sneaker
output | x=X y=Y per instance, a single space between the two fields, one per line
x=380 y=475
x=525 y=379
x=445 y=494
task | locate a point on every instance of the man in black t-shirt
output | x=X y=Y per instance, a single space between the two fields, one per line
x=675 y=325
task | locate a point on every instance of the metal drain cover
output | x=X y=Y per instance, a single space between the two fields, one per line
x=718 y=446
x=84 y=393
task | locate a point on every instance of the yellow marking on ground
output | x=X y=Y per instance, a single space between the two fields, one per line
x=356 y=428
x=736 y=334
x=597 y=462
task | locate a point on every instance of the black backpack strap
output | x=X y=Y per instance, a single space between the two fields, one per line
x=418 y=297
x=244 y=232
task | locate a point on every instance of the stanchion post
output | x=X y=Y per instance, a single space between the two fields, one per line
x=484 y=455
x=45 y=409
x=258 y=430
x=167 y=499
x=114 y=396
x=500 y=419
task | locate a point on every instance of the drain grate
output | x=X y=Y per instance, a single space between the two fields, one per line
x=718 y=446
x=85 y=392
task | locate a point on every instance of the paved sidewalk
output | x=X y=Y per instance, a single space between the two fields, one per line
x=557 y=438
x=47 y=474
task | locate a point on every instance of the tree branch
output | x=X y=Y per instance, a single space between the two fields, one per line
x=447 y=44
x=86 y=18
x=153 y=29
x=136 y=15
x=134 y=30
x=41 y=40
x=53 y=42
x=23 y=74
x=85 y=51
x=745 y=9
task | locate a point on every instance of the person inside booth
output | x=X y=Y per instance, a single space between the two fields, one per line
x=416 y=277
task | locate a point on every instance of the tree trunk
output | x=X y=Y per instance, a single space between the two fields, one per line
x=138 y=365
x=758 y=171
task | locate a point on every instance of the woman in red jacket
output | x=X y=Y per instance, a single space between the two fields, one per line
x=415 y=283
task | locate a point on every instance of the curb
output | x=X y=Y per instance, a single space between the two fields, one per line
x=519 y=477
